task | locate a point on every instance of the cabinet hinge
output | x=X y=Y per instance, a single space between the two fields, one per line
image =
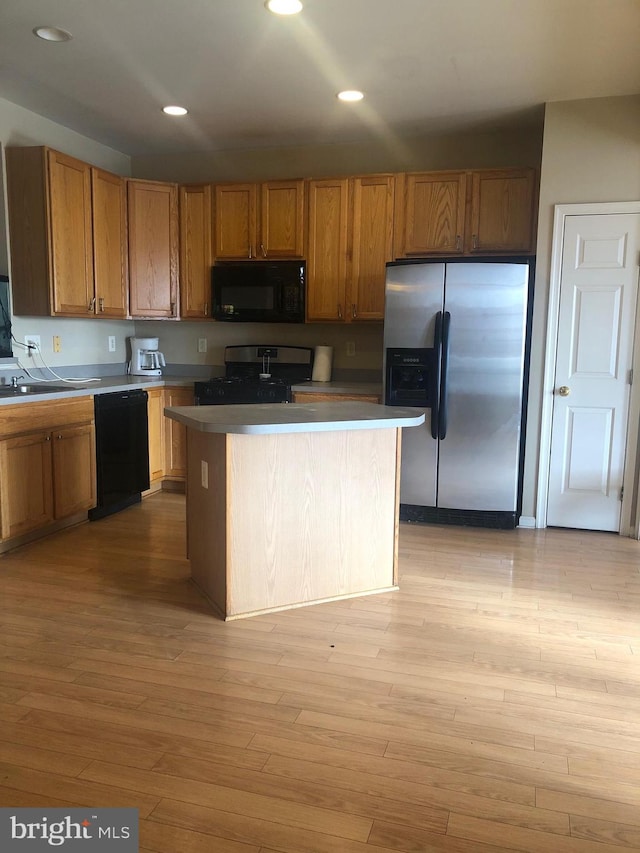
x=621 y=492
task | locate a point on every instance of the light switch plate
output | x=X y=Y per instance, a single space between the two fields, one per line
x=202 y=344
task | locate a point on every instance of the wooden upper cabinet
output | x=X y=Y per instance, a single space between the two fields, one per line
x=488 y=211
x=502 y=215
x=259 y=221
x=109 y=244
x=430 y=214
x=281 y=220
x=67 y=226
x=195 y=251
x=371 y=245
x=327 y=251
x=153 y=248
x=71 y=235
x=50 y=233
x=235 y=221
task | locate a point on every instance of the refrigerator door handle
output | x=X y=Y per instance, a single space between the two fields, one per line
x=442 y=420
x=436 y=379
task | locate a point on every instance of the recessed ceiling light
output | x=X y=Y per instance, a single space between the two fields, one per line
x=284 y=7
x=175 y=111
x=350 y=95
x=52 y=34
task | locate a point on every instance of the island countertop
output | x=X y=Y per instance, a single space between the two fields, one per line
x=270 y=418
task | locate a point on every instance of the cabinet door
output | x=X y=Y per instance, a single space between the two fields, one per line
x=327 y=255
x=372 y=244
x=74 y=469
x=502 y=211
x=153 y=248
x=430 y=214
x=195 y=251
x=175 y=434
x=155 y=409
x=26 y=485
x=235 y=221
x=71 y=235
x=109 y=244
x=281 y=220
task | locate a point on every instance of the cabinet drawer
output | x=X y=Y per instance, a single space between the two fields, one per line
x=28 y=417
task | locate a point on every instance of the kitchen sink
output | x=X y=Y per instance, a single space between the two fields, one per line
x=25 y=390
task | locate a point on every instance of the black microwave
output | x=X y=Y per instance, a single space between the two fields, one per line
x=259 y=291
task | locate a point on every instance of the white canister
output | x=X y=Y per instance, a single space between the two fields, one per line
x=322 y=358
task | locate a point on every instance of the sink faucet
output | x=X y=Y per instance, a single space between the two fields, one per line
x=14 y=380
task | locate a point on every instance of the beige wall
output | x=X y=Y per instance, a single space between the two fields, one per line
x=520 y=147
x=591 y=153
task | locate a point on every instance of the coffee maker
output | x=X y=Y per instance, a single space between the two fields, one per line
x=146 y=358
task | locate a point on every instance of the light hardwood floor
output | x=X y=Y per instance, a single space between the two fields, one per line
x=492 y=704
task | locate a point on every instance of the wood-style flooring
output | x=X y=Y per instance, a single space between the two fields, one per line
x=492 y=704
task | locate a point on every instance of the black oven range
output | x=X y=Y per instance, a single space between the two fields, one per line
x=256 y=374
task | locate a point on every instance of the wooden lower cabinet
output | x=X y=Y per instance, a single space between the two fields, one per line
x=175 y=436
x=48 y=474
x=167 y=438
x=74 y=469
x=155 y=411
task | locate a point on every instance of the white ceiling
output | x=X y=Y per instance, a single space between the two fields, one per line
x=252 y=79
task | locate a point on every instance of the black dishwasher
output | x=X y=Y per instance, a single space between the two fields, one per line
x=122 y=450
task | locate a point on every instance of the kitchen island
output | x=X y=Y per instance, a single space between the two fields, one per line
x=293 y=504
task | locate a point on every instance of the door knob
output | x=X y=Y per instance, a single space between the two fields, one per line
x=564 y=390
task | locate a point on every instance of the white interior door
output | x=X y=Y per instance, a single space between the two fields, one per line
x=598 y=291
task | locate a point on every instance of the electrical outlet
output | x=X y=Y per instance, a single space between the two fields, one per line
x=112 y=343
x=32 y=342
x=202 y=344
x=351 y=348
x=57 y=343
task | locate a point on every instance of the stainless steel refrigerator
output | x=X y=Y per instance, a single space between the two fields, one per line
x=455 y=345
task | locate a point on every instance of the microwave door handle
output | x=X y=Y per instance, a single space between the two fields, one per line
x=436 y=373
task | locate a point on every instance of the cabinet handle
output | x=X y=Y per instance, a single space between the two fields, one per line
x=101 y=304
x=339 y=311
x=354 y=312
x=250 y=253
x=92 y=304
x=173 y=309
x=474 y=241
x=263 y=250
x=59 y=436
x=458 y=242
x=47 y=438
x=206 y=309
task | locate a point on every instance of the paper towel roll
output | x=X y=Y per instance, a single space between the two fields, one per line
x=322 y=358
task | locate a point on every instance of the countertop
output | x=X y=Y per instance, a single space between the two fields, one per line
x=295 y=417
x=110 y=384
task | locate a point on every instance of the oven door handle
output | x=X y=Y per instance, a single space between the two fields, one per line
x=436 y=374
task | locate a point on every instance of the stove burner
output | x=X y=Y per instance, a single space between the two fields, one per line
x=256 y=374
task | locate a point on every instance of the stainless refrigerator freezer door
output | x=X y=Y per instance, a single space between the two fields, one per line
x=478 y=459
x=414 y=295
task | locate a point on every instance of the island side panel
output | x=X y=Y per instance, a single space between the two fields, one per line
x=397 y=505
x=312 y=516
x=207 y=515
